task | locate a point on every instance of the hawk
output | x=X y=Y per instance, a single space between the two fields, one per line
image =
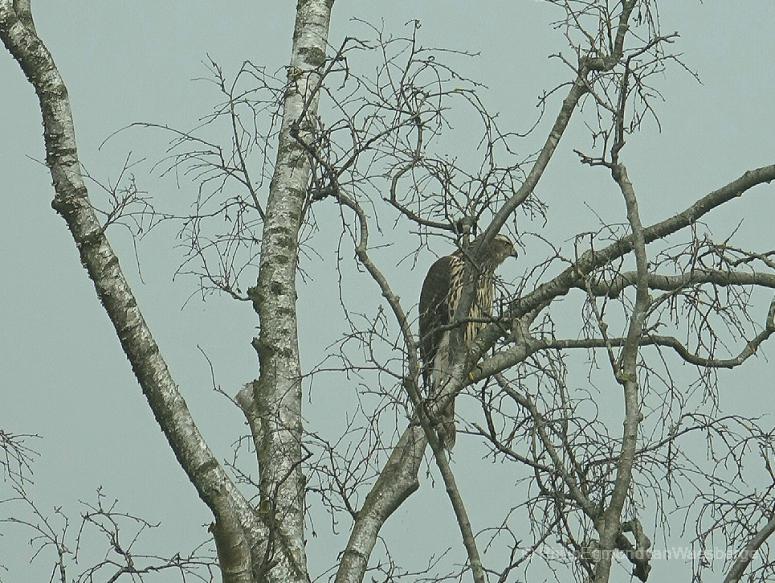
x=439 y=299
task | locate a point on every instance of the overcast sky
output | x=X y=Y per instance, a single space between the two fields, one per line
x=62 y=372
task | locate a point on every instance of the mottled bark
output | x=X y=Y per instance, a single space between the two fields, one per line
x=72 y=203
x=277 y=392
x=233 y=549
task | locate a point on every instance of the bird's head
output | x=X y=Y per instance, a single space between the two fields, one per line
x=493 y=254
x=501 y=248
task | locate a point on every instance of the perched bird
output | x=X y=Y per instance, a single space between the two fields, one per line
x=439 y=300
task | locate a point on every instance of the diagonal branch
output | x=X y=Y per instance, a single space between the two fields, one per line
x=72 y=203
x=574 y=276
x=747 y=553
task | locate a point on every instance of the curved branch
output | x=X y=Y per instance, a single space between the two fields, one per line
x=747 y=553
x=411 y=215
x=361 y=251
x=669 y=341
x=676 y=282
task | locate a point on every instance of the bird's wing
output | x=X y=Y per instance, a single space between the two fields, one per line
x=434 y=311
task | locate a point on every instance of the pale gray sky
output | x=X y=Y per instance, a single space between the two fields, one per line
x=62 y=373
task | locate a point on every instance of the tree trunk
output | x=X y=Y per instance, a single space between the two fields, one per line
x=277 y=393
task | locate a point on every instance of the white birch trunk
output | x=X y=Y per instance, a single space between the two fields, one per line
x=277 y=393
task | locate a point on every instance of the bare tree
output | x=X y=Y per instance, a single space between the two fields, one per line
x=361 y=131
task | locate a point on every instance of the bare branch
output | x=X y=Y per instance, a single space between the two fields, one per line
x=747 y=553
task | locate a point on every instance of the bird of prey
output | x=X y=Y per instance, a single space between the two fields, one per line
x=439 y=299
